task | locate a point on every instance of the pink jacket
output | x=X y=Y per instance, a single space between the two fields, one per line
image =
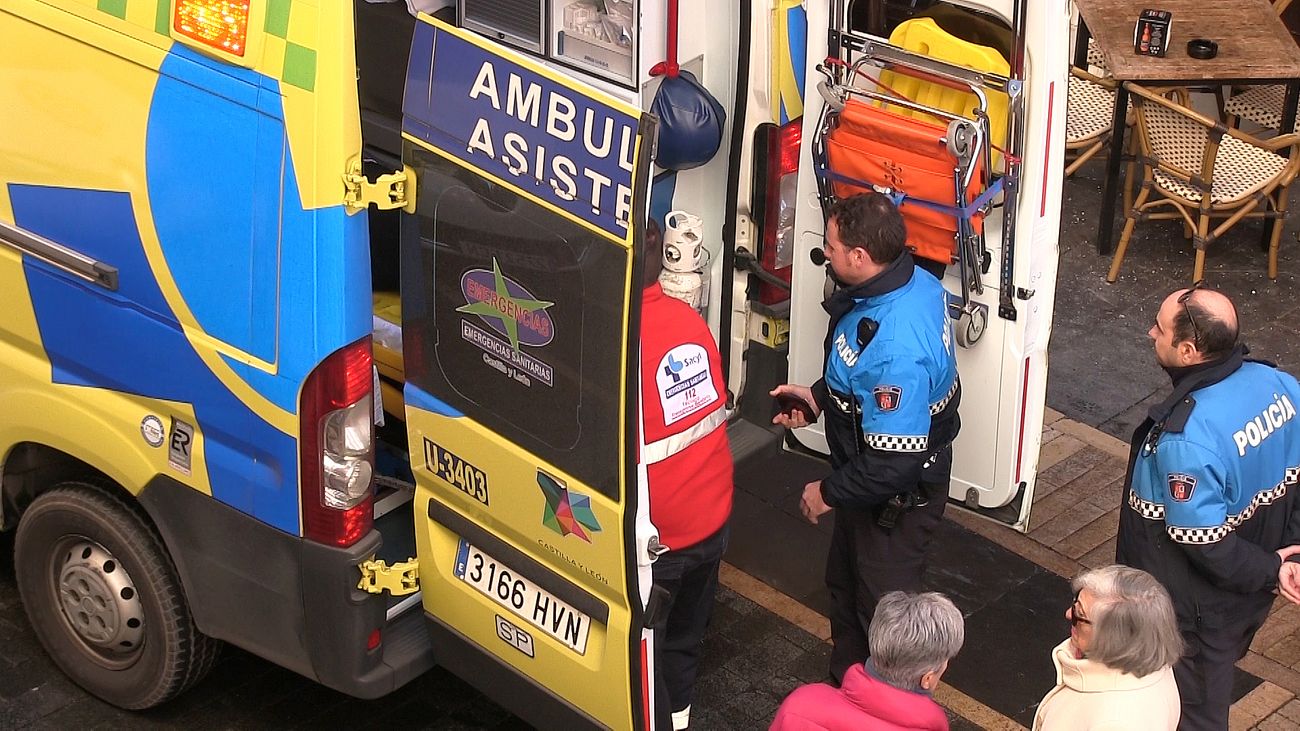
x=863 y=702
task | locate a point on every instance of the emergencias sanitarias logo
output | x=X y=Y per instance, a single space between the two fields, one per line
x=505 y=306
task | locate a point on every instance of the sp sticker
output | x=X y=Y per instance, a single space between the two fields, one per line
x=514 y=636
x=151 y=428
x=1181 y=486
x=887 y=397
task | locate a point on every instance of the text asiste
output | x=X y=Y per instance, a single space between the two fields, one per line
x=561 y=125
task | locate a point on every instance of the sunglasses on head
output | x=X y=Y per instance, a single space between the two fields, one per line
x=1075 y=619
x=1182 y=300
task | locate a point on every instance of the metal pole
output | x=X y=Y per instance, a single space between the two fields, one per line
x=1011 y=181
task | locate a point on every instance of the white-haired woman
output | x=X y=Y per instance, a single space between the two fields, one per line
x=1115 y=672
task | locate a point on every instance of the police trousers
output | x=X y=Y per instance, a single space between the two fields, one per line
x=867 y=561
x=1205 y=672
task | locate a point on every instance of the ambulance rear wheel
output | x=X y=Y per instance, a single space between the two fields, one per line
x=104 y=598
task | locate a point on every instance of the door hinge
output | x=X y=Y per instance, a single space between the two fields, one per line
x=388 y=191
x=401 y=578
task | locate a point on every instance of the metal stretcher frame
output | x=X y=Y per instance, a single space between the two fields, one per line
x=969 y=258
x=841 y=41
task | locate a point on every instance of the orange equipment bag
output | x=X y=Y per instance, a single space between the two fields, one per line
x=868 y=145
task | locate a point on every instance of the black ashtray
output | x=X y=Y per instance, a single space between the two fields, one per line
x=1202 y=48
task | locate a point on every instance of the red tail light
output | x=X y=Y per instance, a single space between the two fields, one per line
x=336 y=447
x=781 y=179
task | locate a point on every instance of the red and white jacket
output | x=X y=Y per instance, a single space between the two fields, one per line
x=684 y=410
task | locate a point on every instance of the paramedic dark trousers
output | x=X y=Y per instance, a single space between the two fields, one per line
x=690 y=575
x=867 y=561
x=1205 y=672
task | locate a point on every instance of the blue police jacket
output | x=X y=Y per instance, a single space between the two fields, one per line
x=890 y=391
x=1210 y=497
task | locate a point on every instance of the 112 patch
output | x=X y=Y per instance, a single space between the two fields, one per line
x=685 y=382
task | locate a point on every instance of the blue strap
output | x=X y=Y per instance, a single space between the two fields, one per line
x=964 y=213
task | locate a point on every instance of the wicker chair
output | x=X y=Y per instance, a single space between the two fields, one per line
x=1259 y=104
x=1185 y=155
x=1089 y=107
x=1098 y=61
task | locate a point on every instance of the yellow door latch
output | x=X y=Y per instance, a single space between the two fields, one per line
x=388 y=191
x=401 y=578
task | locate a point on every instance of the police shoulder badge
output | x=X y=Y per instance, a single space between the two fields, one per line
x=1181 y=486
x=887 y=397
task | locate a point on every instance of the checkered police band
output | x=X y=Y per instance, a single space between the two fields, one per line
x=1213 y=534
x=891 y=443
x=942 y=404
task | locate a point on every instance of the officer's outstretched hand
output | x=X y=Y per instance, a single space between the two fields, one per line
x=811 y=504
x=798 y=407
x=1288 y=576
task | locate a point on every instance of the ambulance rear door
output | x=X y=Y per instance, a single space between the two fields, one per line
x=520 y=297
x=1004 y=371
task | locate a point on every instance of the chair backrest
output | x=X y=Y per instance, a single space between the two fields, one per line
x=1183 y=143
x=1174 y=137
x=923 y=36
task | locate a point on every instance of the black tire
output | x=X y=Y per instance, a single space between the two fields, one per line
x=80 y=548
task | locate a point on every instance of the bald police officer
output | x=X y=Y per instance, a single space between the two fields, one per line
x=1209 y=506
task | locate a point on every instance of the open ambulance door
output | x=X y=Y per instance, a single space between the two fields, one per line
x=1004 y=371
x=521 y=298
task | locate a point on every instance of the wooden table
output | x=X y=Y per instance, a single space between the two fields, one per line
x=1254 y=48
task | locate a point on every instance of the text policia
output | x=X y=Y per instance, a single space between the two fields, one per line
x=602 y=136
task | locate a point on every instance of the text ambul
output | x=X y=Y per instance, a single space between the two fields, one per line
x=560 y=120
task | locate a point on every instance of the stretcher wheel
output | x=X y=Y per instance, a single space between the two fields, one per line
x=960 y=141
x=971 y=324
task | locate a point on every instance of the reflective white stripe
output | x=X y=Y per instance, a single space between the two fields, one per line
x=668 y=446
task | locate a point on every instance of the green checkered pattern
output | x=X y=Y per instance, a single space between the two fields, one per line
x=289 y=46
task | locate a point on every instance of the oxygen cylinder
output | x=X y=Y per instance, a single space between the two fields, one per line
x=684 y=259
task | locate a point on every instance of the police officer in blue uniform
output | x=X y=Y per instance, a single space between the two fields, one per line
x=1210 y=498
x=890 y=393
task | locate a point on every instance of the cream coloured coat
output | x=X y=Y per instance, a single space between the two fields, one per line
x=1092 y=697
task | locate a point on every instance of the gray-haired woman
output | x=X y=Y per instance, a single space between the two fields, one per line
x=1115 y=671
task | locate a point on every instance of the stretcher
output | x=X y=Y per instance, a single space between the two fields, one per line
x=935 y=174
x=922 y=117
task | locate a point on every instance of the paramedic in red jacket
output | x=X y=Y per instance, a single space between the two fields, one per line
x=913 y=636
x=689 y=467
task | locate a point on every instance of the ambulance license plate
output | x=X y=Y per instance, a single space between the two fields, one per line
x=519 y=595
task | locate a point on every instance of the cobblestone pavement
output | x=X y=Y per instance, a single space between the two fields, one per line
x=752 y=659
x=1075 y=517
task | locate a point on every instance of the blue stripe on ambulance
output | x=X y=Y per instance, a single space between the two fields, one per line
x=242 y=284
x=796 y=20
x=130 y=341
x=420 y=399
